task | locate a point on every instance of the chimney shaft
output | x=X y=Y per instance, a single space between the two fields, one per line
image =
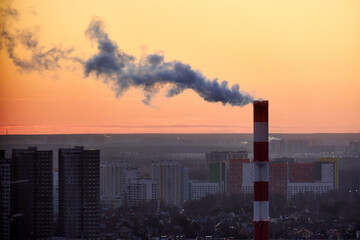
x=261 y=170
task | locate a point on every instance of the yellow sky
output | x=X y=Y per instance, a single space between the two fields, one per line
x=303 y=56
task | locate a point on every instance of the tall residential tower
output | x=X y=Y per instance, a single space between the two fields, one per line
x=167 y=175
x=4 y=196
x=79 y=193
x=31 y=194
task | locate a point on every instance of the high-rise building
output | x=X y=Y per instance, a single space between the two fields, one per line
x=278 y=178
x=215 y=172
x=248 y=178
x=218 y=164
x=79 y=193
x=167 y=175
x=136 y=189
x=4 y=197
x=115 y=180
x=335 y=161
x=120 y=183
x=31 y=194
x=112 y=178
x=185 y=184
x=225 y=156
x=236 y=174
x=56 y=192
x=139 y=190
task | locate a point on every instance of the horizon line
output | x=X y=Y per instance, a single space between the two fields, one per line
x=159 y=133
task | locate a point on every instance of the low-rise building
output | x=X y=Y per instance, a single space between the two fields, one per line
x=202 y=189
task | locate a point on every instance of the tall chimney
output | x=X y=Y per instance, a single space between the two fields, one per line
x=261 y=170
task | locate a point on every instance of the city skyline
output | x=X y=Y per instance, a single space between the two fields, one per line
x=303 y=57
x=121 y=184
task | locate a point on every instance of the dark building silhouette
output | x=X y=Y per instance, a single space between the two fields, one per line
x=4 y=197
x=79 y=193
x=31 y=194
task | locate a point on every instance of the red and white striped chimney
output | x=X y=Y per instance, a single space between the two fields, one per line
x=261 y=170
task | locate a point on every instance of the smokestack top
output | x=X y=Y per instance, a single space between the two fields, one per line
x=261 y=111
x=261 y=102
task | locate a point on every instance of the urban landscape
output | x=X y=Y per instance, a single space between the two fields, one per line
x=165 y=119
x=104 y=192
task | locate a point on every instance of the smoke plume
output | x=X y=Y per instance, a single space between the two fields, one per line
x=40 y=58
x=274 y=139
x=120 y=70
x=152 y=72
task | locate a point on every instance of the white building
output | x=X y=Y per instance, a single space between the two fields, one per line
x=121 y=184
x=113 y=178
x=202 y=189
x=140 y=190
x=315 y=187
x=328 y=173
x=248 y=178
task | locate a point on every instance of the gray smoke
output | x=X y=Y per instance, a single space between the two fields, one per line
x=115 y=67
x=152 y=72
x=274 y=139
x=40 y=58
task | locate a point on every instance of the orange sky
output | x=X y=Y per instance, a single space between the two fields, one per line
x=303 y=56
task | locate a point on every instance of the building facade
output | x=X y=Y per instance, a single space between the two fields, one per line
x=236 y=174
x=4 y=196
x=121 y=183
x=31 y=194
x=302 y=172
x=218 y=165
x=113 y=179
x=335 y=161
x=56 y=193
x=202 y=189
x=289 y=179
x=185 y=196
x=248 y=178
x=139 y=190
x=167 y=175
x=278 y=178
x=79 y=193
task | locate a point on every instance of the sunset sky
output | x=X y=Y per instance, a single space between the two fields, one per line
x=302 y=56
